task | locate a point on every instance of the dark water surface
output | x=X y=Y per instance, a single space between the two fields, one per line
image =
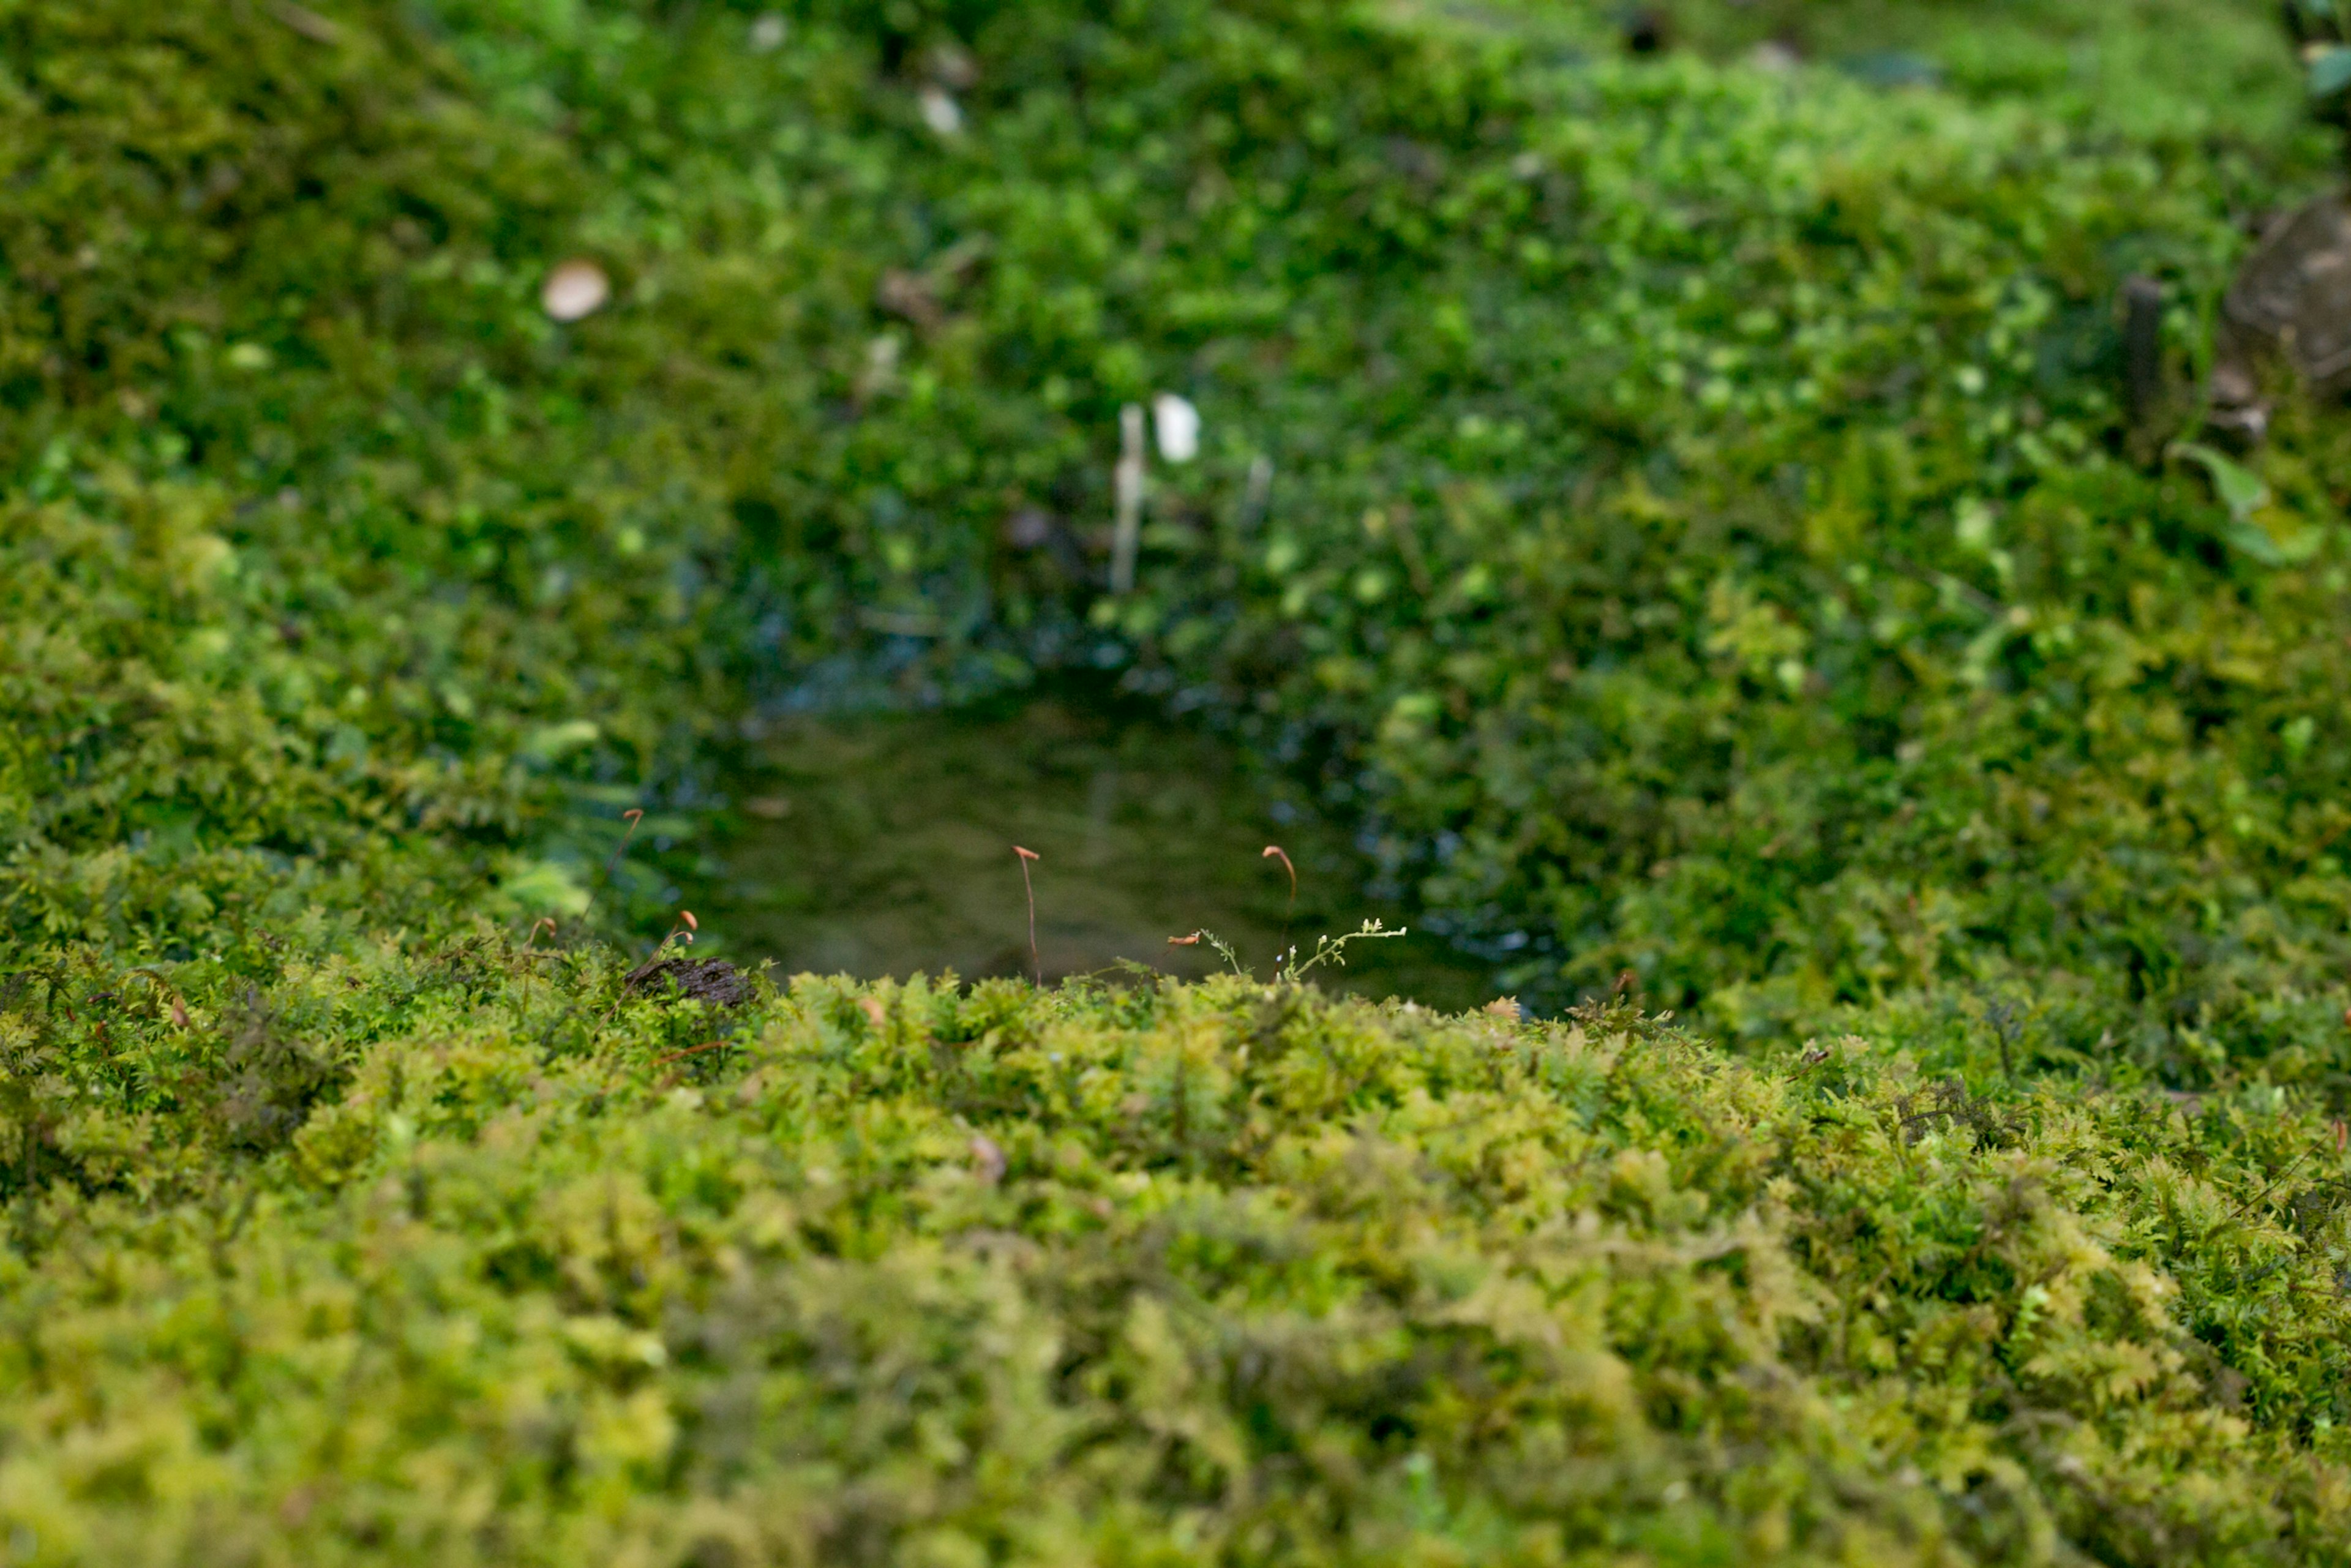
x=882 y=846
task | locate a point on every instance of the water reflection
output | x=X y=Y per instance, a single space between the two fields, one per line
x=883 y=845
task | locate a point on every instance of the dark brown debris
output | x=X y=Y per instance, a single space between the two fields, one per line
x=910 y=297
x=2143 y=348
x=2291 y=301
x=712 y=980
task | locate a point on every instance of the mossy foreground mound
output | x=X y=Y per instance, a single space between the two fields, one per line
x=1217 y=1273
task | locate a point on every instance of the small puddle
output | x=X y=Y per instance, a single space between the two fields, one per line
x=882 y=846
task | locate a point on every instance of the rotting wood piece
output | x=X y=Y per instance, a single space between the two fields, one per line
x=712 y=980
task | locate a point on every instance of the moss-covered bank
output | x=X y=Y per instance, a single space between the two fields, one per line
x=477 y=1257
x=1680 y=512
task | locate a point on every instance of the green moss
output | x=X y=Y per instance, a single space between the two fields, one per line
x=1220 y=1272
x=1699 y=541
x=1701 y=544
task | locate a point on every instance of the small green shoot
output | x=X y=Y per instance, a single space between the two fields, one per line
x=2239 y=488
x=1223 y=948
x=1333 y=949
x=1287 y=966
x=529 y=954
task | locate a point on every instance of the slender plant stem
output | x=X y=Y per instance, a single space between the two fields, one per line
x=1126 y=532
x=1290 y=911
x=632 y=815
x=1036 y=962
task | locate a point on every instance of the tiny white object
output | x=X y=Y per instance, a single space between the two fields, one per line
x=940 y=113
x=768 y=33
x=575 y=290
x=1178 y=424
x=881 y=372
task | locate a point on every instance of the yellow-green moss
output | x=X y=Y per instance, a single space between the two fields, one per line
x=1215 y=1273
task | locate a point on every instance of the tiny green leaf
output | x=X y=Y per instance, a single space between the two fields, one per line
x=547 y=886
x=2239 y=489
x=555 y=742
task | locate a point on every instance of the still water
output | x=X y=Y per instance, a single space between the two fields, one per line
x=884 y=846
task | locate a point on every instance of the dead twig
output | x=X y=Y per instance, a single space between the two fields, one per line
x=307 y=21
x=2276 y=1182
x=690 y=1050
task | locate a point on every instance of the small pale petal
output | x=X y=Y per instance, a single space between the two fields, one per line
x=1178 y=423
x=575 y=290
x=940 y=113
